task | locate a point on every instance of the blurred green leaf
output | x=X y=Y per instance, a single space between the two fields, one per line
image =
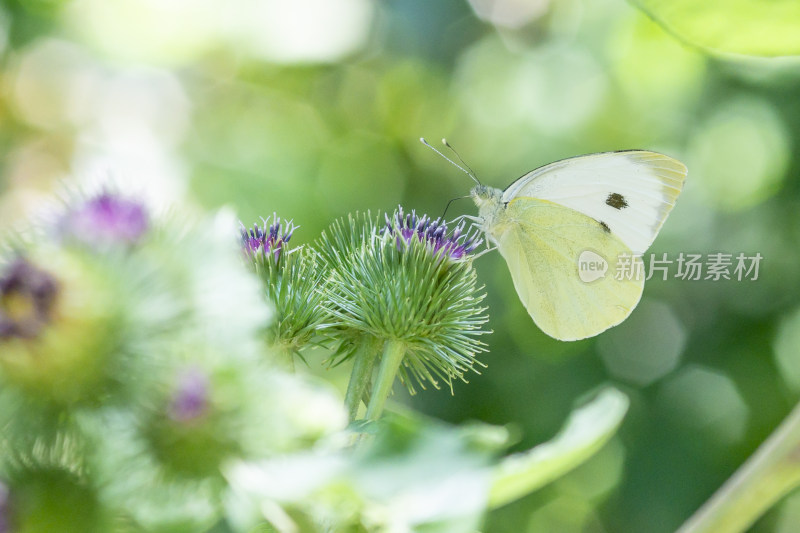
x=585 y=432
x=415 y=472
x=747 y=27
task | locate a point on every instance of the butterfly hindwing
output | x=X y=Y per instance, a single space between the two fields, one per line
x=631 y=192
x=542 y=243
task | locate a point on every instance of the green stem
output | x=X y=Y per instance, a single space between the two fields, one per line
x=393 y=353
x=284 y=356
x=769 y=474
x=364 y=361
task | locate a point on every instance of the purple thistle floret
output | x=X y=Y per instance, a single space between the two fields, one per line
x=27 y=297
x=5 y=525
x=433 y=233
x=190 y=397
x=107 y=219
x=269 y=239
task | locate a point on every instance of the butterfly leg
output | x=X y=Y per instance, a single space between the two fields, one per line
x=490 y=244
x=484 y=252
x=474 y=220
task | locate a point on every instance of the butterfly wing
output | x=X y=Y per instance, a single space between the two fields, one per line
x=543 y=244
x=631 y=192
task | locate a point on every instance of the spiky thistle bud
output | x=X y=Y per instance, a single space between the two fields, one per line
x=267 y=242
x=410 y=282
x=292 y=278
x=433 y=233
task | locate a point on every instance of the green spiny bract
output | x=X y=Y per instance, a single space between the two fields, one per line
x=405 y=283
x=48 y=485
x=292 y=279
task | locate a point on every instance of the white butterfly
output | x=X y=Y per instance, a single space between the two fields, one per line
x=568 y=229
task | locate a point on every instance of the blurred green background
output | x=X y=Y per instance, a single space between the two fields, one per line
x=313 y=109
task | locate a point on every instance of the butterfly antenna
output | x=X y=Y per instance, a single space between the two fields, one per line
x=462 y=169
x=450 y=202
x=461 y=160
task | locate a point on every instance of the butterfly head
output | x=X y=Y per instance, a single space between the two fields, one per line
x=482 y=195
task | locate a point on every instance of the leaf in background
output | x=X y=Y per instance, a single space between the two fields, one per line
x=745 y=27
x=585 y=432
x=414 y=473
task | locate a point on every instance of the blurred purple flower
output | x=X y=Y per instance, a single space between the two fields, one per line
x=5 y=526
x=190 y=397
x=27 y=296
x=268 y=239
x=107 y=218
x=434 y=233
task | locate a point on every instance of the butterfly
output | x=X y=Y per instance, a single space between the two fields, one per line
x=573 y=232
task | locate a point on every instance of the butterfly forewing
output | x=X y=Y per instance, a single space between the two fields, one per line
x=630 y=192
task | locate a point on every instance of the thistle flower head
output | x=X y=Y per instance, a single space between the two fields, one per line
x=107 y=218
x=392 y=283
x=61 y=327
x=269 y=239
x=291 y=278
x=190 y=398
x=433 y=233
x=27 y=296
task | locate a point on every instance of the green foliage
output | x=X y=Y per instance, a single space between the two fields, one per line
x=421 y=475
x=743 y=27
x=584 y=433
x=415 y=473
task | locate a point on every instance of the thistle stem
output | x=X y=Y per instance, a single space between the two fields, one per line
x=284 y=356
x=393 y=353
x=364 y=361
x=769 y=474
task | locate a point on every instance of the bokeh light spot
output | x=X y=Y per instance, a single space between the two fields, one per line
x=654 y=86
x=554 y=88
x=509 y=13
x=706 y=403
x=740 y=154
x=645 y=347
x=51 y=81
x=150 y=31
x=303 y=31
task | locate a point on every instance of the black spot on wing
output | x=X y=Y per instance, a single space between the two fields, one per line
x=616 y=200
x=605 y=227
